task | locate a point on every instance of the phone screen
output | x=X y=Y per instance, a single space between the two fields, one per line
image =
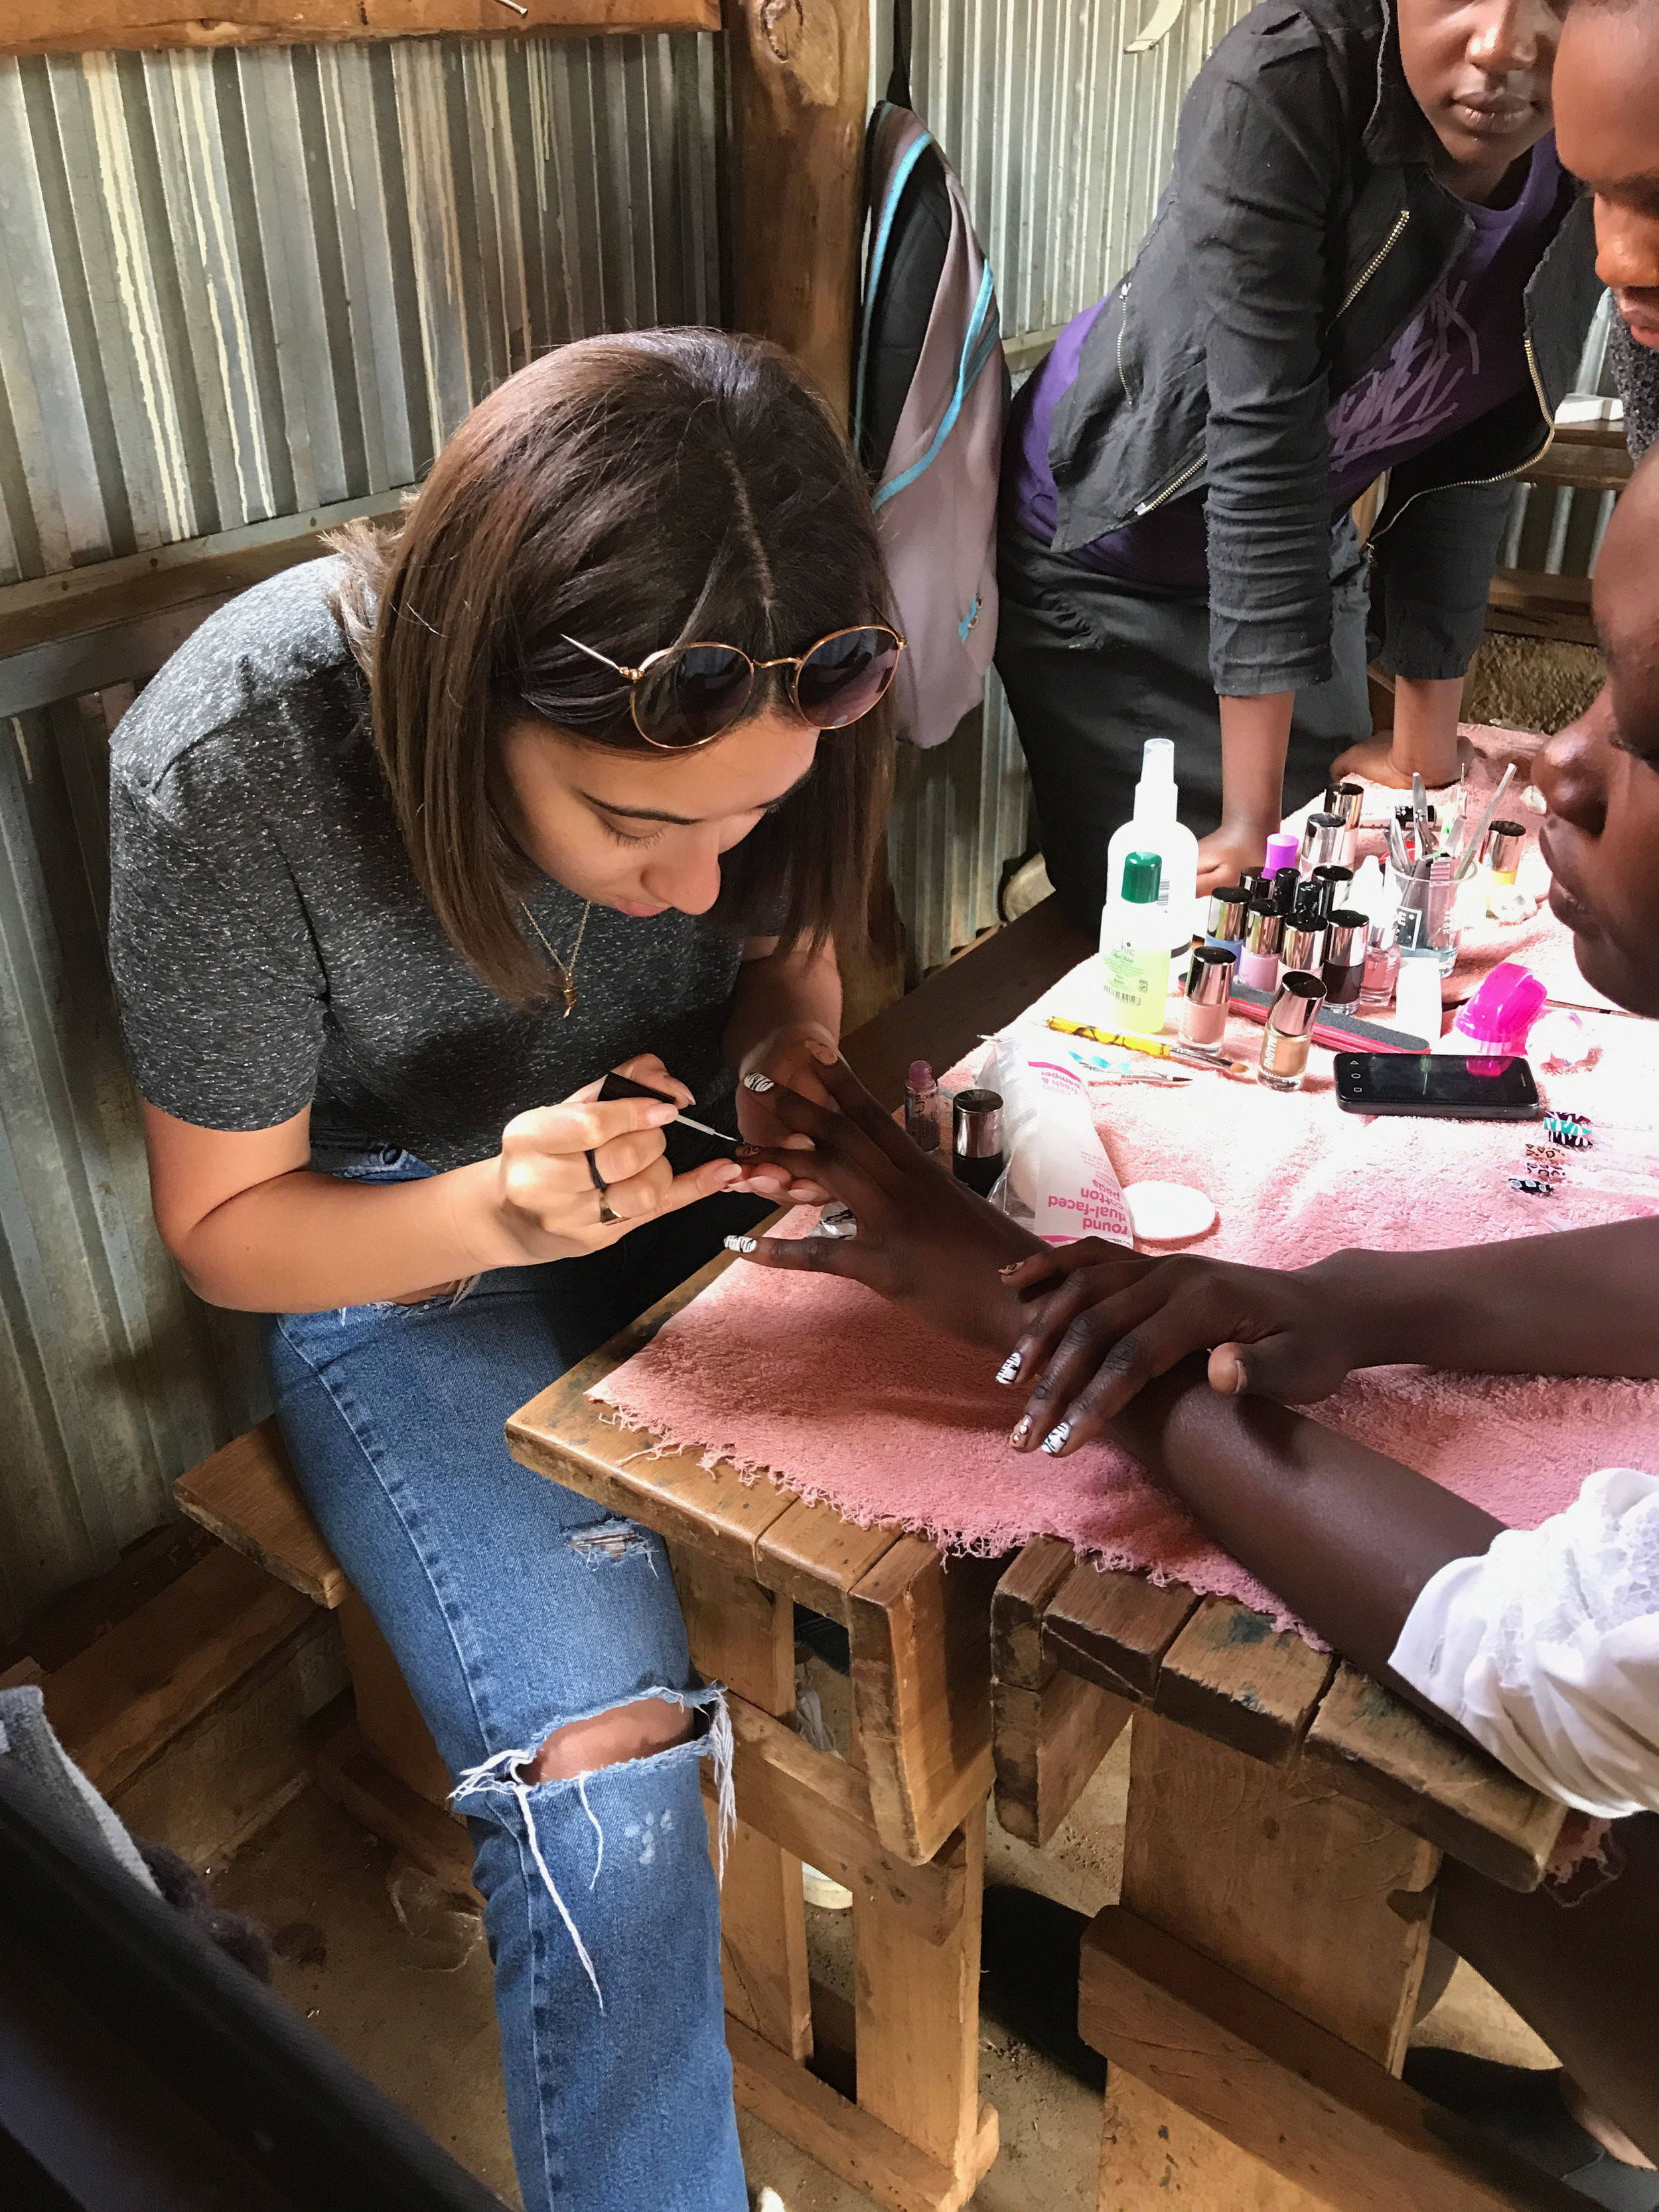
x=1434 y=1078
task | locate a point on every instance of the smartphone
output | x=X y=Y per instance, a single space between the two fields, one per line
x=1480 y=1089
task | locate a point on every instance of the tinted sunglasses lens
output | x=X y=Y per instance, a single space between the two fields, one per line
x=694 y=695
x=843 y=678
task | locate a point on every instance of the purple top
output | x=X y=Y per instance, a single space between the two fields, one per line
x=1461 y=354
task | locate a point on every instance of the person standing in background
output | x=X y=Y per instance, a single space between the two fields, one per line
x=1369 y=264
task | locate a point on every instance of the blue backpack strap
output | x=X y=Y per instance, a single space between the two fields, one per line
x=884 y=232
x=979 y=343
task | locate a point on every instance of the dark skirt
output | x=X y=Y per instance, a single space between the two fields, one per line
x=1093 y=667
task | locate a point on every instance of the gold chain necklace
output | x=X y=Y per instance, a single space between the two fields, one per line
x=567 y=967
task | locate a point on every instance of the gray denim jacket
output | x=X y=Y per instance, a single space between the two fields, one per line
x=1301 y=232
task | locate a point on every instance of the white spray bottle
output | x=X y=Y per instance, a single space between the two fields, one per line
x=1154 y=828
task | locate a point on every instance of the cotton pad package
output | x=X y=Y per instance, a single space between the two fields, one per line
x=1058 y=1182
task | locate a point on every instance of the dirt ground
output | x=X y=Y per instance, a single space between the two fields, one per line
x=408 y=1999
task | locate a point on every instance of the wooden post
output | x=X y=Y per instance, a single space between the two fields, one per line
x=799 y=79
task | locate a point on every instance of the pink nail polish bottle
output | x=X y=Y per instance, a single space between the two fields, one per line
x=1264 y=936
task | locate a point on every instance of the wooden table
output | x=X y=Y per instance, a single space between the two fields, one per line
x=1255 y=1986
x=888 y=2098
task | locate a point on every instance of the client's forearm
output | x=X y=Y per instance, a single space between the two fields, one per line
x=1345 y=1537
x=1582 y=1302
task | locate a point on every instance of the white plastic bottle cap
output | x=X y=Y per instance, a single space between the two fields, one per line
x=1168 y=1212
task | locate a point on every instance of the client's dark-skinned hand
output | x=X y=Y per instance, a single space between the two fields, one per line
x=1090 y=1323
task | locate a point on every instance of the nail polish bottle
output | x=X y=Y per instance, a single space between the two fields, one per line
x=1283 y=848
x=1226 y=923
x=1286 y=1038
x=1303 y=946
x=1264 y=934
x=976 y=1145
x=1505 y=841
x=922 y=1100
x=1344 y=968
x=1209 y=993
x=1347 y=799
x=1322 y=836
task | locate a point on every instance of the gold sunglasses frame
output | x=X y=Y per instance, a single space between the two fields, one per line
x=797 y=661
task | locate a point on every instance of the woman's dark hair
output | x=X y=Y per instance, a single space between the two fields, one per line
x=637 y=492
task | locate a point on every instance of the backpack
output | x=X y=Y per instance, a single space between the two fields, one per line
x=930 y=398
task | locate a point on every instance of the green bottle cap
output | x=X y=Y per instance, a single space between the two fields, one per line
x=1142 y=874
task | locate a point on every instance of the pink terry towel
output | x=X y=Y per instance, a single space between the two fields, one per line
x=839 y=1397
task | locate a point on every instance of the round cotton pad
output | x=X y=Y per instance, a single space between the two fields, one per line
x=1168 y=1212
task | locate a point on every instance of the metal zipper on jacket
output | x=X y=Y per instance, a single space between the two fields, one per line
x=1170 y=488
x=1375 y=261
x=1469 y=483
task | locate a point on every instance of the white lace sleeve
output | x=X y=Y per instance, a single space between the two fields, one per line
x=1547 y=1648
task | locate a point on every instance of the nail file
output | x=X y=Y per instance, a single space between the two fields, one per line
x=1342 y=1032
x=624 y=1086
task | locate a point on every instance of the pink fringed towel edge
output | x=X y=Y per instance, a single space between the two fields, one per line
x=841 y=1398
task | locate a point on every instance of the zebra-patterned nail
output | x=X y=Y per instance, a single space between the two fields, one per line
x=1009 y=1368
x=739 y=1244
x=757 y=1083
x=1056 y=1440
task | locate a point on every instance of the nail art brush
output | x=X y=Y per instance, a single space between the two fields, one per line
x=624 y=1086
x=1158 y=1047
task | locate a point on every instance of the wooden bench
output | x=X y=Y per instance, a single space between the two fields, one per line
x=1257 y=1983
x=382 y=1766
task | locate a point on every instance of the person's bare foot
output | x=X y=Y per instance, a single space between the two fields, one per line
x=1372 y=761
x=1612 y=2140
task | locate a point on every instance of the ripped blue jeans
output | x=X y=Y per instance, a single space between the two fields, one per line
x=513 y=1608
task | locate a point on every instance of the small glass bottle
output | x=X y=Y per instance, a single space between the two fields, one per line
x=1209 y=994
x=1382 y=965
x=1264 y=934
x=922 y=1102
x=1226 y=922
x=1344 y=969
x=1285 y=1040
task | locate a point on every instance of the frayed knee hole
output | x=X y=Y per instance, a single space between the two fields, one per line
x=638 y=1730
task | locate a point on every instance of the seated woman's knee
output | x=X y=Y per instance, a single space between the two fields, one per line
x=638 y=1730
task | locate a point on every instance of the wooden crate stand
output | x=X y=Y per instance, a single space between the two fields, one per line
x=1256 y=1984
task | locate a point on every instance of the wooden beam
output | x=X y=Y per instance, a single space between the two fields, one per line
x=851 y=2142
x=1048 y=1744
x=1231 y=1675
x=799 y=72
x=1523 y=603
x=1384 y=1752
x=818 y=1806
x=43 y=27
x=920 y=1632
x=246 y=1492
x=1114 y=1629
x=1291 y=2094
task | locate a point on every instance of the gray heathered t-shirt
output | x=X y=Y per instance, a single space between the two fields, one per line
x=271 y=948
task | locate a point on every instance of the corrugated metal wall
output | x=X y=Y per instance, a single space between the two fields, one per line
x=237 y=285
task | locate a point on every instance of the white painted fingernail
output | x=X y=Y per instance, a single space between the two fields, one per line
x=757 y=1083
x=1009 y=1368
x=1056 y=1440
x=1021 y=1430
x=739 y=1244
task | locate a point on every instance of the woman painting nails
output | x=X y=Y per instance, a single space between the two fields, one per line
x=580 y=769
x=1542 y=1644
x=1369 y=264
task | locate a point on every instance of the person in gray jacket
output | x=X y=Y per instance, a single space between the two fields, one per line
x=1369 y=265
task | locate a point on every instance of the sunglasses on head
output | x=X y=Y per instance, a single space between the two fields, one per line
x=688 y=694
